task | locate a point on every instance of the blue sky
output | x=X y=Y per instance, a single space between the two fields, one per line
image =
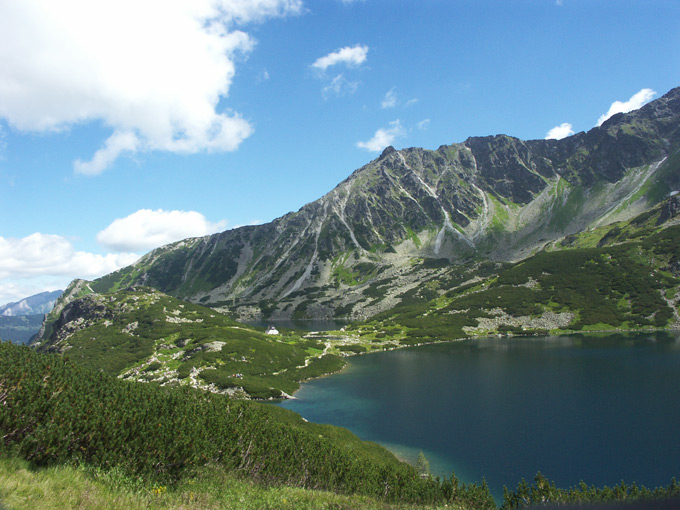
x=126 y=125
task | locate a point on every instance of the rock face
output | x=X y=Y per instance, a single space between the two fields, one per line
x=489 y=198
x=79 y=314
x=670 y=210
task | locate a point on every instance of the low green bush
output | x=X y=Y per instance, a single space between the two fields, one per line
x=57 y=412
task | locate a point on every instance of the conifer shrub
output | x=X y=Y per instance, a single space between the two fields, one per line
x=326 y=364
x=53 y=411
x=153 y=366
x=356 y=349
x=543 y=492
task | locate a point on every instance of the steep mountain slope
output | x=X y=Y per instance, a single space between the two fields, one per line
x=490 y=198
x=623 y=277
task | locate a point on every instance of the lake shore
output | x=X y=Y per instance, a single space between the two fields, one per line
x=335 y=340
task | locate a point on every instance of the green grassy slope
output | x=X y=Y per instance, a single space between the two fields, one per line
x=57 y=412
x=144 y=335
x=64 y=487
x=631 y=281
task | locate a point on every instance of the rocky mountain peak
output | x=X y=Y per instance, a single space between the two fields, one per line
x=388 y=150
x=495 y=197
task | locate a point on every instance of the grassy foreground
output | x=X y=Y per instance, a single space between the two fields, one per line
x=64 y=487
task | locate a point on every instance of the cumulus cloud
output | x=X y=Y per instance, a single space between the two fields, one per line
x=153 y=71
x=422 y=125
x=558 y=132
x=339 y=85
x=390 y=99
x=48 y=254
x=636 y=101
x=351 y=56
x=40 y=262
x=383 y=137
x=146 y=229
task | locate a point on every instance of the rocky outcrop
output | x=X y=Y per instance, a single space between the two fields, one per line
x=78 y=315
x=670 y=210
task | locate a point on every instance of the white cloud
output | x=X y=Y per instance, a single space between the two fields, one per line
x=146 y=229
x=390 y=99
x=637 y=101
x=349 y=55
x=339 y=86
x=383 y=137
x=422 y=125
x=115 y=145
x=11 y=292
x=152 y=71
x=48 y=254
x=39 y=262
x=558 y=132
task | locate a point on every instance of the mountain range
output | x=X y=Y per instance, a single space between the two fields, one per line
x=489 y=198
x=358 y=250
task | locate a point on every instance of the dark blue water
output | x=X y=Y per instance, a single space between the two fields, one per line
x=598 y=409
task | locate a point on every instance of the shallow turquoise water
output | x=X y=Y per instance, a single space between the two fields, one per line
x=598 y=409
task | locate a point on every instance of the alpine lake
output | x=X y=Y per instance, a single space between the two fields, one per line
x=592 y=408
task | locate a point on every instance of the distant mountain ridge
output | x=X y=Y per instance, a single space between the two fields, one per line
x=20 y=321
x=352 y=252
x=36 y=304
